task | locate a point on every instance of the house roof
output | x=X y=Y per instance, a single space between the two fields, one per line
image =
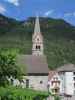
x=66 y=68
x=33 y=64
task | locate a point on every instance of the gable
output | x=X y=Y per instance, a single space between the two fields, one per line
x=53 y=75
x=37 y=38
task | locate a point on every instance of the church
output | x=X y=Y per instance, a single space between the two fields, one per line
x=35 y=65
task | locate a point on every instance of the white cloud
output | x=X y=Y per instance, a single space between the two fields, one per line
x=67 y=14
x=14 y=2
x=72 y=14
x=2 y=9
x=48 y=13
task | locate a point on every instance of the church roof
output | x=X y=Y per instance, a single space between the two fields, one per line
x=37 y=25
x=34 y=64
x=37 y=28
x=66 y=68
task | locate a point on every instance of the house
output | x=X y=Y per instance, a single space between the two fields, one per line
x=54 y=82
x=35 y=65
x=67 y=75
x=64 y=77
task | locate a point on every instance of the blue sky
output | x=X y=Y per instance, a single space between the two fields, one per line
x=22 y=9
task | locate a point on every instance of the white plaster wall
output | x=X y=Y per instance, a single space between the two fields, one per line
x=69 y=86
x=34 y=82
x=62 y=85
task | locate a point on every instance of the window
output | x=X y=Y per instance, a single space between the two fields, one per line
x=73 y=73
x=41 y=82
x=38 y=47
x=37 y=39
x=55 y=78
x=27 y=83
x=74 y=91
x=74 y=85
x=56 y=90
x=52 y=83
x=74 y=78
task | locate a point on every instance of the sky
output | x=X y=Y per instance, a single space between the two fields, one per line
x=22 y=9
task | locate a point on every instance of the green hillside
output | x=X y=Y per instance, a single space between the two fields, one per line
x=59 y=38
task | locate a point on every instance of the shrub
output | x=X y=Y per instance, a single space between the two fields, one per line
x=57 y=98
x=16 y=93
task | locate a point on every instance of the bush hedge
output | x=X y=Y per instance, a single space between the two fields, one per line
x=16 y=93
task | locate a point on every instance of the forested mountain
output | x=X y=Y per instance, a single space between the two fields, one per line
x=59 y=38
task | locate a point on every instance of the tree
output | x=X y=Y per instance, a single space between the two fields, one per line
x=8 y=67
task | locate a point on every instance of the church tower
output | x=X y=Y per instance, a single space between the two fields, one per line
x=37 y=39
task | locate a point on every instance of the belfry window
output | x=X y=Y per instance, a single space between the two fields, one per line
x=38 y=47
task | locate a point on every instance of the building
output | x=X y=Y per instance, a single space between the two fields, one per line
x=35 y=65
x=37 y=40
x=54 y=82
x=65 y=77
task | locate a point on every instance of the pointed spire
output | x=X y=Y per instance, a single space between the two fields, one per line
x=37 y=26
x=37 y=39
